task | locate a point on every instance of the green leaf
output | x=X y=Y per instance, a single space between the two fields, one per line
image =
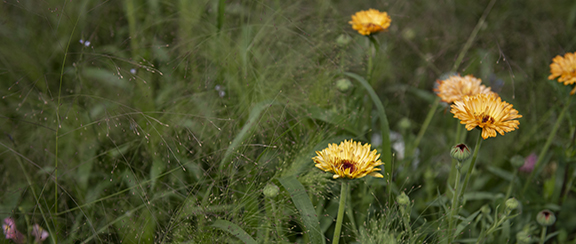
x=305 y=207
x=235 y=230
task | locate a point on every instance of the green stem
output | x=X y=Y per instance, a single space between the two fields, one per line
x=471 y=167
x=495 y=225
x=340 y=218
x=511 y=186
x=455 y=200
x=424 y=127
x=546 y=146
x=373 y=43
x=568 y=187
x=406 y=220
x=473 y=36
x=460 y=192
x=220 y=20
x=543 y=235
x=277 y=225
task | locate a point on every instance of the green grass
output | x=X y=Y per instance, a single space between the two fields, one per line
x=168 y=125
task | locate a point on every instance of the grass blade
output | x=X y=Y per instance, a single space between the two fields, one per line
x=235 y=230
x=305 y=207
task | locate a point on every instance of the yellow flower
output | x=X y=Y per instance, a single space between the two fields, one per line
x=565 y=68
x=457 y=87
x=370 y=21
x=487 y=112
x=349 y=160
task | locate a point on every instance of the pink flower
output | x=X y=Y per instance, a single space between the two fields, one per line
x=39 y=233
x=529 y=163
x=9 y=228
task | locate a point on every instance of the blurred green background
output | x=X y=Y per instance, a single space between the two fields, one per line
x=145 y=121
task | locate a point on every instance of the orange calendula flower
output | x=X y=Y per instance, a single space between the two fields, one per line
x=349 y=160
x=370 y=21
x=565 y=68
x=457 y=87
x=488 y=112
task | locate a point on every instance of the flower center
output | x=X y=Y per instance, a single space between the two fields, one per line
x=348 y=165
x=486 y=119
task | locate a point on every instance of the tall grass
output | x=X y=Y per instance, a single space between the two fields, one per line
x=163 y=121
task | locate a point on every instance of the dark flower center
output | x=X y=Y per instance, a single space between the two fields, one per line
x=462 y=147
x=348 y=165
x=487 y=118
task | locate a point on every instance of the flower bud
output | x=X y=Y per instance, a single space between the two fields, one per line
x=512 y=204
x=403 y=199
x=486 y=209
x=460 y=152
x=523 y=237
x=343 y=84
x=343 y=40
x=271 y=190
x=404 y=123
x=546 y=218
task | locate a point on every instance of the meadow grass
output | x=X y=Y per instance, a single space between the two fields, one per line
x=196 y=121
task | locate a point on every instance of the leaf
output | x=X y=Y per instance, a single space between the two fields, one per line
x=304 y=205
x=235 y=230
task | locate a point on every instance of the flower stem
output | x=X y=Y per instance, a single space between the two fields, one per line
x=458 y=193
x=511 y=186
x=543 y=235
x=473 y=36
x=546 y=146
x=471 y=167
x=424 y=127
x=340 y=218
x=455 y=201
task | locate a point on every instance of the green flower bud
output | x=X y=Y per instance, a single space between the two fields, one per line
x=404 y=123
x=486 y=209
x=546 y=218
x=343 y=40
x=403 y=199
x=460 y=152
x=271 y=190
x=408 y=34
x=517 y=161
x=523 y=237
x=343 y=84
x=512 y=204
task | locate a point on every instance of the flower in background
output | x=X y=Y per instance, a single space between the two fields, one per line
x=349 y=160
x=487 y=112
x=529 y=163
x=370 y=21
x=10 y=231
x=39 y=233
x=565 y=68
x=457 y=87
